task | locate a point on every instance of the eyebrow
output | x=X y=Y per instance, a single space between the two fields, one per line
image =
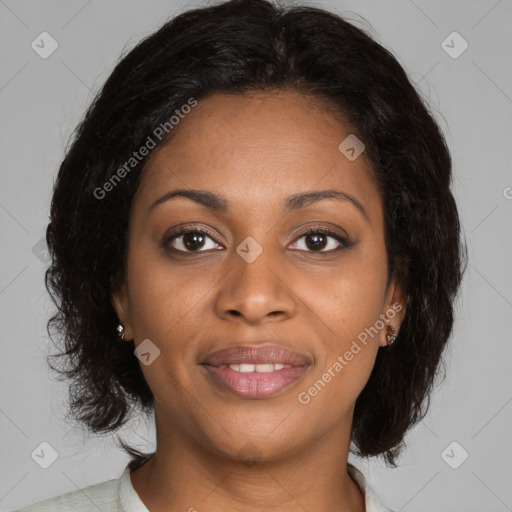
x=294 y=202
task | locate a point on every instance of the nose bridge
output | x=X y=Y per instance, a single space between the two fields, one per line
x=254 y=288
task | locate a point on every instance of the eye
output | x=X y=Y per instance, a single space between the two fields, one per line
x=317 y=240
x=321 y=240
x=191 y=240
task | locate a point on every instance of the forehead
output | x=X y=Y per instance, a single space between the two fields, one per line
x=257 y=149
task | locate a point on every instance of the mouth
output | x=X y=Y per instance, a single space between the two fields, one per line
x=255 y=371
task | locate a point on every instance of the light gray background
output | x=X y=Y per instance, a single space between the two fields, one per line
x=42 y=100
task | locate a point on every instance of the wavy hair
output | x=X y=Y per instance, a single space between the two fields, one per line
x=242 y=46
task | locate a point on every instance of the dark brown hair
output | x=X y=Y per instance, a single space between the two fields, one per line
x=241 y=46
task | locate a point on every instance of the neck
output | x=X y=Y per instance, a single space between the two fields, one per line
x=186 y=475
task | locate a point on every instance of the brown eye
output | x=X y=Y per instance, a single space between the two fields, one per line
x=316 y=241
x=321 y=240
x=191 y=241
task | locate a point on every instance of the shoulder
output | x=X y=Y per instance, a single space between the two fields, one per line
x=372 y=501
x=103 y=496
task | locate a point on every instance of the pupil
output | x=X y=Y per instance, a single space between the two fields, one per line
x=194 y=244
x=318 y=241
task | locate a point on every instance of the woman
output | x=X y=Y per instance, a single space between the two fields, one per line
x=253 y=235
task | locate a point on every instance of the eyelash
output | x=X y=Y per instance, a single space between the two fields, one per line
x=345 y=243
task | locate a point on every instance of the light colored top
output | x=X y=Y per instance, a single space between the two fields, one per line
x=119 y=496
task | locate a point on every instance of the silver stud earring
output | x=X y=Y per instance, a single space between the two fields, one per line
x=390 y=335
x=120 y=331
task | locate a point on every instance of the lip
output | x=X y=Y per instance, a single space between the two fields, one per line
x=259 y=354
x=254 y=385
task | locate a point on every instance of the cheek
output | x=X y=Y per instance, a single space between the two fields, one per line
x=351 y=297
x=332 y=390
x=163 y=296
x=347 y=355
x=164 y=308
x=347 y=306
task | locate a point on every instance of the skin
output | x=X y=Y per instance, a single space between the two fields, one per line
x=255 y=151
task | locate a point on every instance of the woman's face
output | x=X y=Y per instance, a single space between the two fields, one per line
x=254 y=279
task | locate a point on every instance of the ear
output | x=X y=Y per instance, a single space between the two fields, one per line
x=120 y=303
x=394 y=310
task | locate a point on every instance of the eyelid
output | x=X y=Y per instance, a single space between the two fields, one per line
x=318 y=228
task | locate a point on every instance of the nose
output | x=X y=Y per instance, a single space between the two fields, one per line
x=256 y=292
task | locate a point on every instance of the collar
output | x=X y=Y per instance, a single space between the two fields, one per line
x=372 y=501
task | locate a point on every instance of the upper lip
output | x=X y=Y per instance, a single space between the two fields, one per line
x=260 y=354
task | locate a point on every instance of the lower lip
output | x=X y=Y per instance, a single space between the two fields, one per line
x=255 y=384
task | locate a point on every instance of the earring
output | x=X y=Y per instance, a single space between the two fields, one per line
x=120 y=331
x=390 y=334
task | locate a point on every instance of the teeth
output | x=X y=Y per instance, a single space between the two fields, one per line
x=259 y=368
